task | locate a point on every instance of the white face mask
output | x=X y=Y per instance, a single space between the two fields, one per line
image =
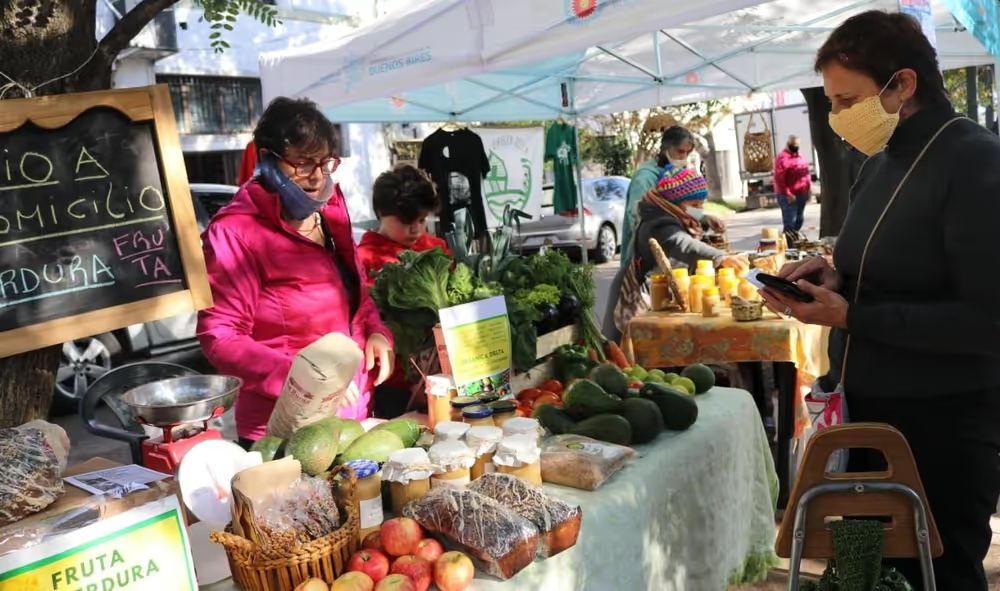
x=679 y=163
x=696 y=212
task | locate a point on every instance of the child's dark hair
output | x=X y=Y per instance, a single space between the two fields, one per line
x=405 y=192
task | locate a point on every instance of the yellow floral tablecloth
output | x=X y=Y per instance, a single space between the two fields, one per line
x=662 y=339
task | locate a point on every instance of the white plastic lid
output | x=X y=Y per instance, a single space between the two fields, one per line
x=451 y=455
x=517 y=451
x=522 y=426
x=450 y=431
x=483 y=440
x=438 y=384
x=406 y=465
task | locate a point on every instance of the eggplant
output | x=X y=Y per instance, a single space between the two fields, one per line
x=569 y=308
x=550 y=318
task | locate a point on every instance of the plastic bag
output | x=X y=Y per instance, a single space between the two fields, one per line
x=304 y=512
x=320 y=382
x=582 y=462
x=828 y=409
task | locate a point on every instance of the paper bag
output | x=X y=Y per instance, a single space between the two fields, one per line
x=320 y=382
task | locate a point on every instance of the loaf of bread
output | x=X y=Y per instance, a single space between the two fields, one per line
x=558 y=522
x=501 y=541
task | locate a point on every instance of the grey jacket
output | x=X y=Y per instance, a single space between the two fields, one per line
x=682 y=248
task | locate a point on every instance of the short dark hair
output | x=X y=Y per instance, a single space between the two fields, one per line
x=288 y=122
x=879 y=44
x=405 y=192
x=672 y=138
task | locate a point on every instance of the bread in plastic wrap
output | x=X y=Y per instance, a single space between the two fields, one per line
x=582 y=462
x=501 y=541
x=33 y=457
x=558 y=522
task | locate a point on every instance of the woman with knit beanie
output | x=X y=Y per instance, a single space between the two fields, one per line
x=672 y=213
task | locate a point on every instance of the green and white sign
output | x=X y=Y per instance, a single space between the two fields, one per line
x=515 y=176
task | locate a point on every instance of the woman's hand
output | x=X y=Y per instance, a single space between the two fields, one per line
x=815 y=270
x=737 y=263
x=828 y=308
x=378 y=348
x=715 y=223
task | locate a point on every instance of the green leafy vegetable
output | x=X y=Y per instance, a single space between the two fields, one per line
x=461 y=285
x=542 y=293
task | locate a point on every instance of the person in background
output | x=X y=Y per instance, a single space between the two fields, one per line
x=402 y=199
x=911 y=293
x=284 y=269
x=792 y=185
x=676 y=148
x=671 y=212
x=247 y=163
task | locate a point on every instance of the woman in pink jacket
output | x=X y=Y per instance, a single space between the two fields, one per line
x=792 y=185
x=284 y=269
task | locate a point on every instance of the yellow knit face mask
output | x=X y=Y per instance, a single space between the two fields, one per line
x=866 y=125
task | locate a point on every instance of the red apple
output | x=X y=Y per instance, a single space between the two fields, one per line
x=453 y=571
x=429 y=549
x=396 y=583
x=419 y=570
x=371 y=562
x=353 y=581
x=373 y=541
x=400 y=536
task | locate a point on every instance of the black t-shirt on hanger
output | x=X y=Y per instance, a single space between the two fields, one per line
x=457 y=162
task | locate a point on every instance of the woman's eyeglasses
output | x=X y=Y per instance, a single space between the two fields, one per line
x=327 y=166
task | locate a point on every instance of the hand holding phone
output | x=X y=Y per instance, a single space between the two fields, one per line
x=778 y=284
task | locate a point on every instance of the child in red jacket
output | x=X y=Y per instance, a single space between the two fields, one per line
x=402 y=198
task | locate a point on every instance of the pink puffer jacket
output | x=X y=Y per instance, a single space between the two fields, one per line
x=276 y=292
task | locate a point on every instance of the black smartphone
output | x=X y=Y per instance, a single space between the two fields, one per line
x=784 y=286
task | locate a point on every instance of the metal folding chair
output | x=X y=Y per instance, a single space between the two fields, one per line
x=896 y=493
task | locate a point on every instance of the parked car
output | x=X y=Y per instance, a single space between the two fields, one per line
x=604 y=215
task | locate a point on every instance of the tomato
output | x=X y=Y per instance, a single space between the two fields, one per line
x=523 y=410
x=554 y=386
x=636 y=384
x=547 y=398
x=528 y=395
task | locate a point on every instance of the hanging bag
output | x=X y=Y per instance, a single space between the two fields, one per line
x=758 y=147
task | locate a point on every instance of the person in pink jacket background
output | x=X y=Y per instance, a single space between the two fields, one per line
x=792 y=185
x=284 y=269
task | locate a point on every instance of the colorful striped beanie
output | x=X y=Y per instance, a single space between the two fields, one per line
x=681 y=184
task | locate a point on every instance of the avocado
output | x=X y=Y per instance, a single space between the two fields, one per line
x=645 y=418
x=554 y=419
x=585 y=398
x=679 y=410
x=702 y=376
x=314 y=446
x=605 y=427
x=609 y=377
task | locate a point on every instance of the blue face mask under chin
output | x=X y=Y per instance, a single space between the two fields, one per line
x=294 y=200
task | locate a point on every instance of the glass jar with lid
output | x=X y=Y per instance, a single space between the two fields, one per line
x=520 y=456
x=452 y=461
x=459 y=403
x=523 y=426
x=478 y=415
x=450 y=431
x=408 y=472
x=440 y=390
x=488 y=398
x=369 y=495
x=503 y=411
x=483 y=441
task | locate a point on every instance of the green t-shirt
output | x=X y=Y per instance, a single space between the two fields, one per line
x=560 y=147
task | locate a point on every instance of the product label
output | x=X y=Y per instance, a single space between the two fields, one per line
x=601 y=451
x=371 y=513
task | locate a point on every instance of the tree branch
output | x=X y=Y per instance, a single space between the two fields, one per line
x=129 y=26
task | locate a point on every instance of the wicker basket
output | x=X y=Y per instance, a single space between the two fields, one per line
x=255 y=569
x=758 y=148
x=747 y=311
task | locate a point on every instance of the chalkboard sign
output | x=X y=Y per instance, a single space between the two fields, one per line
x=97 y=228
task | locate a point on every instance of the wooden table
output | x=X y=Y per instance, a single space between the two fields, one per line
x=799 y=351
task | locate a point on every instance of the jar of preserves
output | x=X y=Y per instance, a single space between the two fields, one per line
x=503 y=411
x=459 y=403
x=369 y=495
x=483 y=441
x=440 y=391
x=408 y=472
x=450 y=431
x=520 y=456
x=452 y=461
x=478 y=416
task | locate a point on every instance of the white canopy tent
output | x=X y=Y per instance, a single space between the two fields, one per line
x=487 y=60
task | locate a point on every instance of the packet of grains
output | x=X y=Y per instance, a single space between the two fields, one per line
x=320 y=382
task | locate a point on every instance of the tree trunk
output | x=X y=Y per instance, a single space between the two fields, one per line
x=837 y=164
x=712 y=175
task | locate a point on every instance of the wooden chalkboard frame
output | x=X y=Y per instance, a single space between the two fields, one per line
x=146 y=104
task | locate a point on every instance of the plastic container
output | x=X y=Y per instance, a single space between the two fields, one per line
x=450 y=431
x=459 y=403
x=520 y=456
x=705 y=268
x=503 y=411
x=452 y=461
x=711 y=303
x=483 y=441
x=369 y=495
x=440 y=390
x=408 y=472
x=659 y=292
x=478 y=416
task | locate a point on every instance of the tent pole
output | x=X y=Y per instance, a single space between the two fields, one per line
x=579 y=171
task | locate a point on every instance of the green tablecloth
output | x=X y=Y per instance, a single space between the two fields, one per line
x=694 y=513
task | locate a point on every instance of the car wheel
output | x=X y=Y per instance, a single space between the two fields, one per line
x=607 y=244
x=82 y=362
